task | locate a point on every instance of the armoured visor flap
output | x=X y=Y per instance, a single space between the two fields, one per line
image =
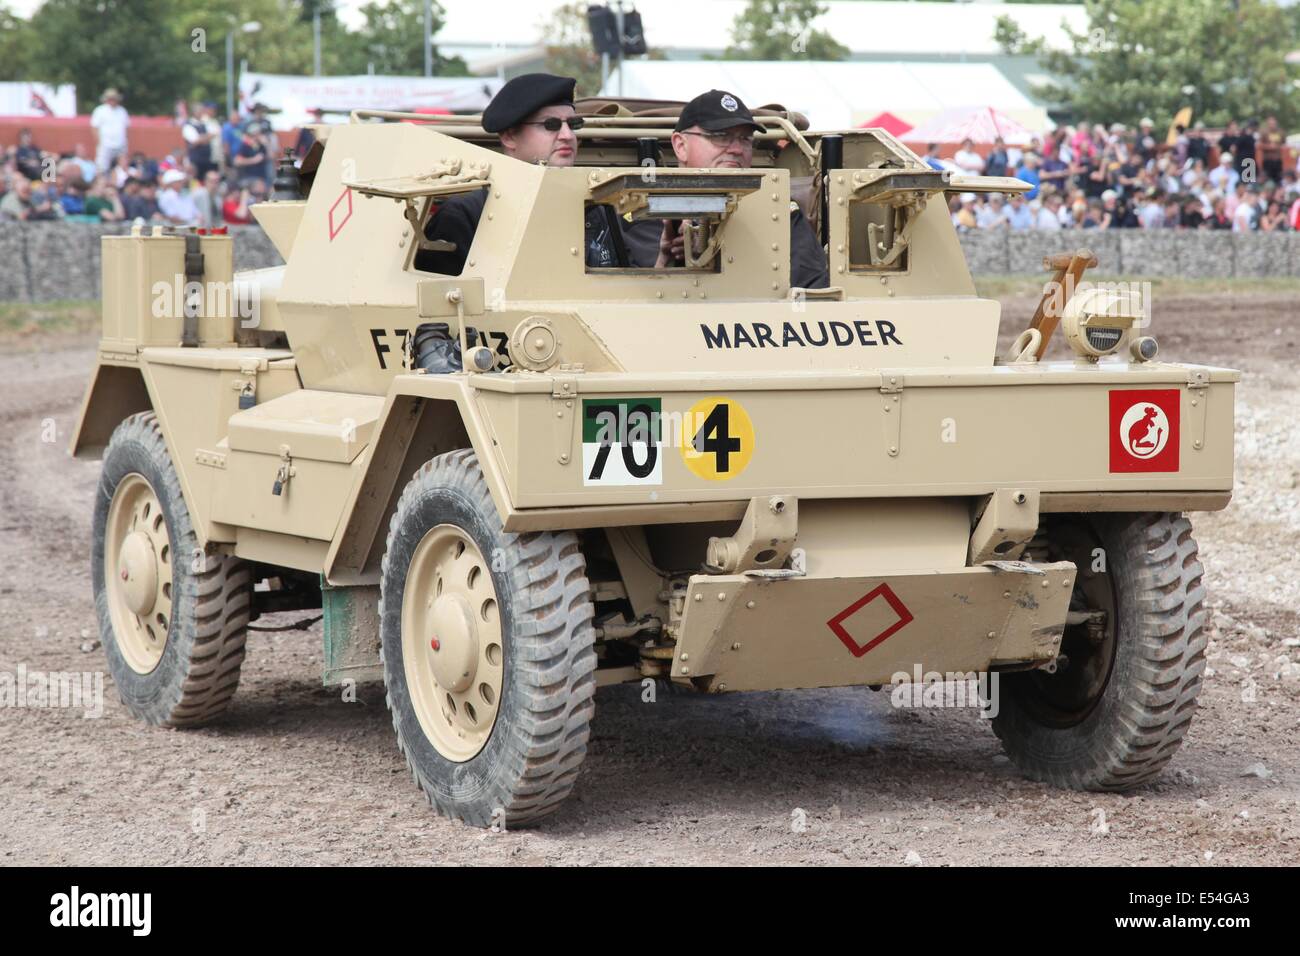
x=445 y=179
x=686 y=194
x=988 y=184
x=898 y=187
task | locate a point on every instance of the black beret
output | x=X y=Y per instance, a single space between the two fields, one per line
x=525 y=95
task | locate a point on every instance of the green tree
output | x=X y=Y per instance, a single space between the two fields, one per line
x=14 y=43
x=157 y=51
x=569 y=51
x=393 y=40
x=135 y=45
x=1153 y=57
x=282 y=42
x=782 y=30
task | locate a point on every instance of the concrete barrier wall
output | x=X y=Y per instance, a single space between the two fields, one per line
x=1139 y=253
x=43 y=261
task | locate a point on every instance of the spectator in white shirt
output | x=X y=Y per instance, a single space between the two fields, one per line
x=992 y=215
x=1015 y=156
x=1245 y=216
x=176 y=204
x=1049 y=217
x=109 y=121
x=970 y=161
x=1193 y=173
x=208 y=199
x=1019 y=216
x=1224 y=178
x=1151 y=213
x=84 y=165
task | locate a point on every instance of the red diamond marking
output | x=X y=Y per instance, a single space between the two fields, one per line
x=836 y=623
x=336 y=228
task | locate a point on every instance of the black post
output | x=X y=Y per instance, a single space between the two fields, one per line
x=647 y=148
x=287 y=185
x=832 y=145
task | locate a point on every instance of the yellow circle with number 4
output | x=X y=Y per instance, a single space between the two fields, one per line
x=717 y=438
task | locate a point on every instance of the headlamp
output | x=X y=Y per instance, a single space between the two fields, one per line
x=1097 y=322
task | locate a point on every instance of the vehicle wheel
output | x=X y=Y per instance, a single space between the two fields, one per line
x=487 y=645
x=172 y=619
x=1123 y=696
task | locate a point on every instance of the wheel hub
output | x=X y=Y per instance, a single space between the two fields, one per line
x=138 y=583
x=138 y=571
x=454 y=642
x=452 y=648
x=1066 y=696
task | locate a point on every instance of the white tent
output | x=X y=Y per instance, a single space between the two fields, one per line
x=836 y=95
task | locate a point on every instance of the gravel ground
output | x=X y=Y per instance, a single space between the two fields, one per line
x=295 y=775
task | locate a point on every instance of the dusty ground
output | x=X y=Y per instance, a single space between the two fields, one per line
x=294 y=775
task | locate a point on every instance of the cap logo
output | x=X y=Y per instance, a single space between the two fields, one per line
x=728 y=103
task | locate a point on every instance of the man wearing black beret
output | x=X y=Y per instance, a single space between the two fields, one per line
x=534 y=117
x=716 y=131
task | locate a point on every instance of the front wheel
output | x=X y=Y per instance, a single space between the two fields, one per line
x=487 y=647
x=1124 y=691
x=172 y=618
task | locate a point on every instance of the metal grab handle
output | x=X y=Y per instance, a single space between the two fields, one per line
x=1025 y=347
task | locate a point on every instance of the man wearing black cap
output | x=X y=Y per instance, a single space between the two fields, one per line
x=716 y=131
x=535 y=119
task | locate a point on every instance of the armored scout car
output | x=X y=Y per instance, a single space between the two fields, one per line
x=510 y=486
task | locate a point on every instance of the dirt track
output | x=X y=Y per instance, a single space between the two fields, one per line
x=293 y=775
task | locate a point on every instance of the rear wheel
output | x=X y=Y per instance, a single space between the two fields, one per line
x=486 y=640
x=172 y=619
x=1123 y=694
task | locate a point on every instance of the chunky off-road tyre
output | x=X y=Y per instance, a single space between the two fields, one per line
x=487 y=645
x=171 y=618
x=1117 y=711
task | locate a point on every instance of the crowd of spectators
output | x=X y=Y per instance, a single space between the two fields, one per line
x=1091 y=177
x=223 y=169
x=1087 y=177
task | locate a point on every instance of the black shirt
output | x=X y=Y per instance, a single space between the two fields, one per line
x=455 y=221
x=1242 y=147
x=28 y=161
x=808 y=268
x=1245 y=151
x=458 y=217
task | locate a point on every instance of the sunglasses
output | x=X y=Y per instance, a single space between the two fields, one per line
x=724 y=139
x=552 y=124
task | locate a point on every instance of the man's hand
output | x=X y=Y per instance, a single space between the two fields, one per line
x=672 y=244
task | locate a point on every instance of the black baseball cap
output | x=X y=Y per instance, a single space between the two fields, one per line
x=716 y=110
x=524 y=96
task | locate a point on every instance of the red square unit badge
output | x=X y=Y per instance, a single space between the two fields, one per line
x=884 y=627
x=1144 y=429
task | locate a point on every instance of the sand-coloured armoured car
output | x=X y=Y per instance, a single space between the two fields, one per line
x=509 y=486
